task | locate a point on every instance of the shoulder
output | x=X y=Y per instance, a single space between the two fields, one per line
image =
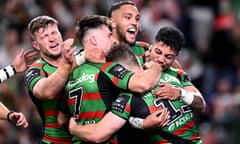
x=142 y=44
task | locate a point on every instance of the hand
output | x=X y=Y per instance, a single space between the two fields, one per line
x=19 y=119
x=68 y=50
x=159 y=118
x=24 y=59
x=72 y=125
x=167 y=91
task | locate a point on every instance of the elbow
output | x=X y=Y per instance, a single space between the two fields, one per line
x=44 y=93
x=200 y=109
x=203 y=109
x=49 y=94
x=98 y=138
x=145 y=86
x=203 y=106
x=140 y=87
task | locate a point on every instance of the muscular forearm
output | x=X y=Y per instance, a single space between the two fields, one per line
x=98 y=132
x=198 y=104
x=145 y=80
x=87 y=133
x=3 y=111
x=49 y=87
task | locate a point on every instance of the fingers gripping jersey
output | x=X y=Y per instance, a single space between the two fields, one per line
x=181 y=127
x=91 y=88
x=47 y=109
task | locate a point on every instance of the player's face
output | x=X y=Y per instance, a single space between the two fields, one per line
x=125 y=24
x=162 y=54
x=49 y=41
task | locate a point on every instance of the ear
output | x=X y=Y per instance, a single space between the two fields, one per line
x=35 y=45
x=113 y=23
x=93 y=40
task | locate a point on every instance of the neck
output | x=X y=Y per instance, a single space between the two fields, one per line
x=95 y=55
x=52 y=61
x=116 y=36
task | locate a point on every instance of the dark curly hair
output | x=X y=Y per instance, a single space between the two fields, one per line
x=170 y=36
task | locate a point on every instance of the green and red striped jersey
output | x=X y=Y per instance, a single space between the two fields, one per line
x=139 y=49
x=90 y=90
x=181 y=127
x=47 y=109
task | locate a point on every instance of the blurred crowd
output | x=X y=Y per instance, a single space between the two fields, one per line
x=211 y=55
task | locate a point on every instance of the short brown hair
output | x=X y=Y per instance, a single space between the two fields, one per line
x=40 y=22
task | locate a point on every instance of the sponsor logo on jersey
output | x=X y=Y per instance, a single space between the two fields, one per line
x=118 y=71
x=84 y=77
x=180 y=122
x=120 y=103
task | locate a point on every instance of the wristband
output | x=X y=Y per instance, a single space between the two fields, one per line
x=7 y=72
x=14 y=69
x=186 y=96
x=79 y=56
x=8 y=115
x=136 y=122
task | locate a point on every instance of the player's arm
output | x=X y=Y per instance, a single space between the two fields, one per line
x=23 y=59
x=189 y=94
x=98 y=132
x=48 y=87
x=20 y=64
x=143 y=81
x=3 y=111
x=192 y=96
x=62 y=119
x=158 y=118
x=14 y=117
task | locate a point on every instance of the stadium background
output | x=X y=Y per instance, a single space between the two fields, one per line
x=211 y=55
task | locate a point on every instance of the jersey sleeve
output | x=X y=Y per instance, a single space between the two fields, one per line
x=184 y=78
x=122 y=105
x=119 y=75
x=33 y=75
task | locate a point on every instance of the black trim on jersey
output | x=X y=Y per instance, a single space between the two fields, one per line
x=138 y=107
x=107 y=90
x=120 y=103
x=31 y=74
x=129 y=135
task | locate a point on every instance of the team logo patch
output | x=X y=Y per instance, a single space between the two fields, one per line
x=31 y=74
x=118 y=71
x=120 y=103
